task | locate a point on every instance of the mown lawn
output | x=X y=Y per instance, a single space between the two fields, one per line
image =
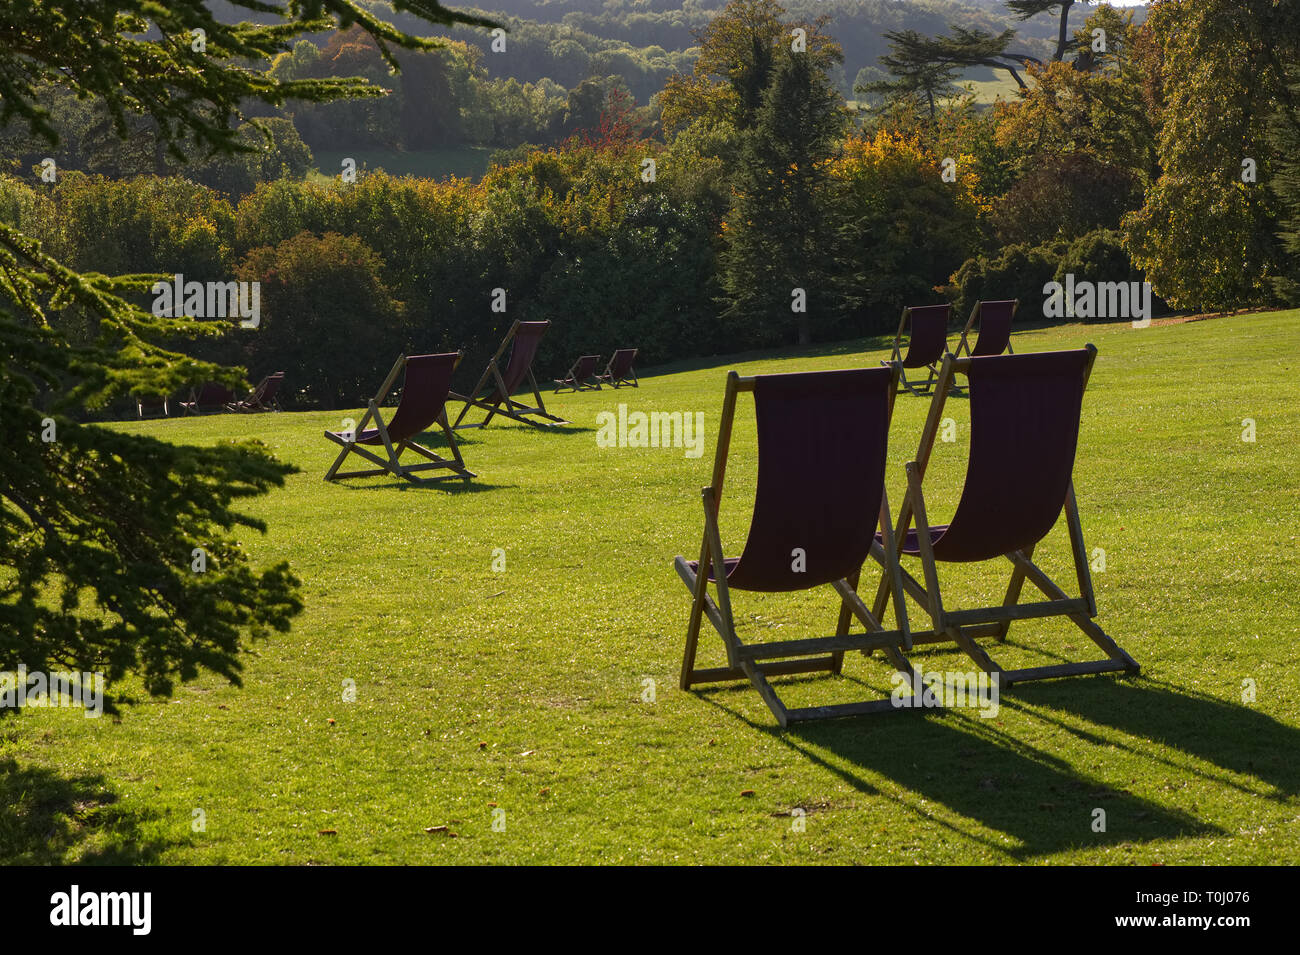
x=522 y=691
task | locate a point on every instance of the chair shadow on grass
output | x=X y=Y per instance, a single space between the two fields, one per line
x=1236 y=738
x=49 y=819
x=1041 y=803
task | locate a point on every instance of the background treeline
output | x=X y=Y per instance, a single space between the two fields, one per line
x=774 y=213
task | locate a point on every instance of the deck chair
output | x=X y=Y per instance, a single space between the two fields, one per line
x=822 y=440
x=994 y=320
x=423 y=404
x=619 y=371
x=151 y=407
x=526 y=336
x=581 y=377
x=1024 y=431
x=265 y=397
x=211 y=398
x=927 y=342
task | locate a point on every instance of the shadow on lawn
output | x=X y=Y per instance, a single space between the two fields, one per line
x=48 y=819
x=1234 y=737
x=977 y=770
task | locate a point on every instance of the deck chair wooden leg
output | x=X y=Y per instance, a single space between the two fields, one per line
x=697 y=616
x=1013 y=591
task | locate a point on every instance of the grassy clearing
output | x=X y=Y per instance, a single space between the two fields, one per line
x=521 y=690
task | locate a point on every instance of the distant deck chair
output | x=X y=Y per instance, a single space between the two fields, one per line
x=1025 y=413
x=151 y=407
x=265 y=397
x=822 y=442
x=582 y=376
x=525 y=336
x=423 y=404
x=211 y=398
x=994 y=338
x=927 y=342
x=619 y=371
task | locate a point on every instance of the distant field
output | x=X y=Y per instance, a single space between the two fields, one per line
x=466 y=162
x=519 y=696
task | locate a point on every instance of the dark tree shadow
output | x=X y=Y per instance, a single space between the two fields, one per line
x=45 y=818
x=969 y=765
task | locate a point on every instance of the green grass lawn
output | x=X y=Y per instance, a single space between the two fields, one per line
x=522 y=691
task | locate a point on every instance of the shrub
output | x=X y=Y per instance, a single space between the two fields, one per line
x=327 y=318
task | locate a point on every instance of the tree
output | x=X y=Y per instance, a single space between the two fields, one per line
x=779 y=232
x=1207 y=233
x=1284 y=133
x=117 y=549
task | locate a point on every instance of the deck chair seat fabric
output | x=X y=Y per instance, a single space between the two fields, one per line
x=1024 y=409
x=428 y=380
x=928 y=339
x=995 y=328
x=527 y=338
x=818 y=448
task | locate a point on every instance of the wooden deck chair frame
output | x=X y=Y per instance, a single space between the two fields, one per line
x=257 y=402
x=575 y=380
x=963 y=344
x=898 y=355
x=390 y=463
x=515 y=410
x=154 y=404
x=966 y=627
x=758 y=661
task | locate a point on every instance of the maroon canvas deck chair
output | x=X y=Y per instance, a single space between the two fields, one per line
x=211 y=398
x=927 y=342
x=822 y=441
x=148 y=406
x=994 y=319
x=423 y=403
x=581 y=377
x=525 y=336
x=265 y=397
x=619 y=371
x=1024 y=430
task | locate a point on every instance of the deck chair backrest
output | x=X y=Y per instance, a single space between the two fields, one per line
x=213 y=394
x=586 y=367
x=995 y=328
x=528 y=336
x=269 y=388
x=822 y=440
x=928 y=336
x=428 y=380
x=621 y=363
x=1024 y=430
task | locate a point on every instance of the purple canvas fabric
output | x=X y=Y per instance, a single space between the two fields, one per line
x=928 y=335
x=822 y=441
x=522 y=352
x=428 y=379
x=995 y=328
x=623 y=359
x=1024 y=431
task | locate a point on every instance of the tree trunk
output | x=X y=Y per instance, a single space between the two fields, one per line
x=1064 y=37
